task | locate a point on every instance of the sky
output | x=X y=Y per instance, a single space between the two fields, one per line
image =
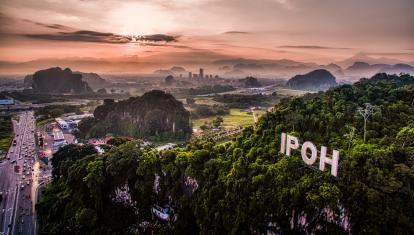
x=319 y=31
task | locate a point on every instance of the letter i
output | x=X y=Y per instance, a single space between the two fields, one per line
x=283 y=143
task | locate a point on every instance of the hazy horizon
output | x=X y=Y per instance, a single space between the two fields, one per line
x=153 y=34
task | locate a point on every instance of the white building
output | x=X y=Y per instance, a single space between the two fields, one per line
x=58 y=139
x=6 y=101
x=62 y=123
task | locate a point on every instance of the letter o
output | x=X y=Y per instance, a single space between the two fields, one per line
x=314 y=153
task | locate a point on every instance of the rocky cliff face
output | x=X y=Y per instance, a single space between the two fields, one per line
x=155 y=114
x=28 y=81
x=56 y=80
x=316 y=80
x=93 y=79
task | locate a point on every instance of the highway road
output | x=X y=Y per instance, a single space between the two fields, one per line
x=19 y=179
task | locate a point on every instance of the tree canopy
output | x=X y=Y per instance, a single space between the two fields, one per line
x=246 y=186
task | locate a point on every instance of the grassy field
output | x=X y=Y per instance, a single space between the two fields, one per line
x=237 y=117
x=205 y=101
x=89 y=108
x=4 y=145
x=291 y=92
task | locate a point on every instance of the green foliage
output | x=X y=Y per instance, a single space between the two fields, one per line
x=28 y=95
x=217 y=122
x=54 y=111
x=201 y=111
x=117 y=141
x=245 y=186
x=65 y=157
x=245 y=101
x=155 y=115
x=6 y=132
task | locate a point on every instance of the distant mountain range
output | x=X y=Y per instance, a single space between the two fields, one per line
x=365 y=69
x=286 y=69
x=352 y=68
x=362 y=57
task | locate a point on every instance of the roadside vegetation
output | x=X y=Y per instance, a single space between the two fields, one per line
x=51 y=112
x=6 y=133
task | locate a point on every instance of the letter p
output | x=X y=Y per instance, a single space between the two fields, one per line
x=292 y=143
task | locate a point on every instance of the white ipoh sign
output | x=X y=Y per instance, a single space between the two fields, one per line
x=289 y=142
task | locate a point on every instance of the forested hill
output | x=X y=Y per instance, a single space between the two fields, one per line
x=57 y=80
x=246 y=186
x=317 y=80
x=155 y=114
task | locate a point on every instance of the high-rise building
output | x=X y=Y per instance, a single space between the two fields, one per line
x=201 y=73
x=190 y=74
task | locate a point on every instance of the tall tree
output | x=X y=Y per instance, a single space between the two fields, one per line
x=365 y=112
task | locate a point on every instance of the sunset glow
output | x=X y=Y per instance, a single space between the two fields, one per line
x=307 y=31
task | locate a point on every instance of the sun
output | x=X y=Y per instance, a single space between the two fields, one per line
x=141 y=19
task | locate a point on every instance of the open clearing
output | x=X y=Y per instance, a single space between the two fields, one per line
x=236 y=117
